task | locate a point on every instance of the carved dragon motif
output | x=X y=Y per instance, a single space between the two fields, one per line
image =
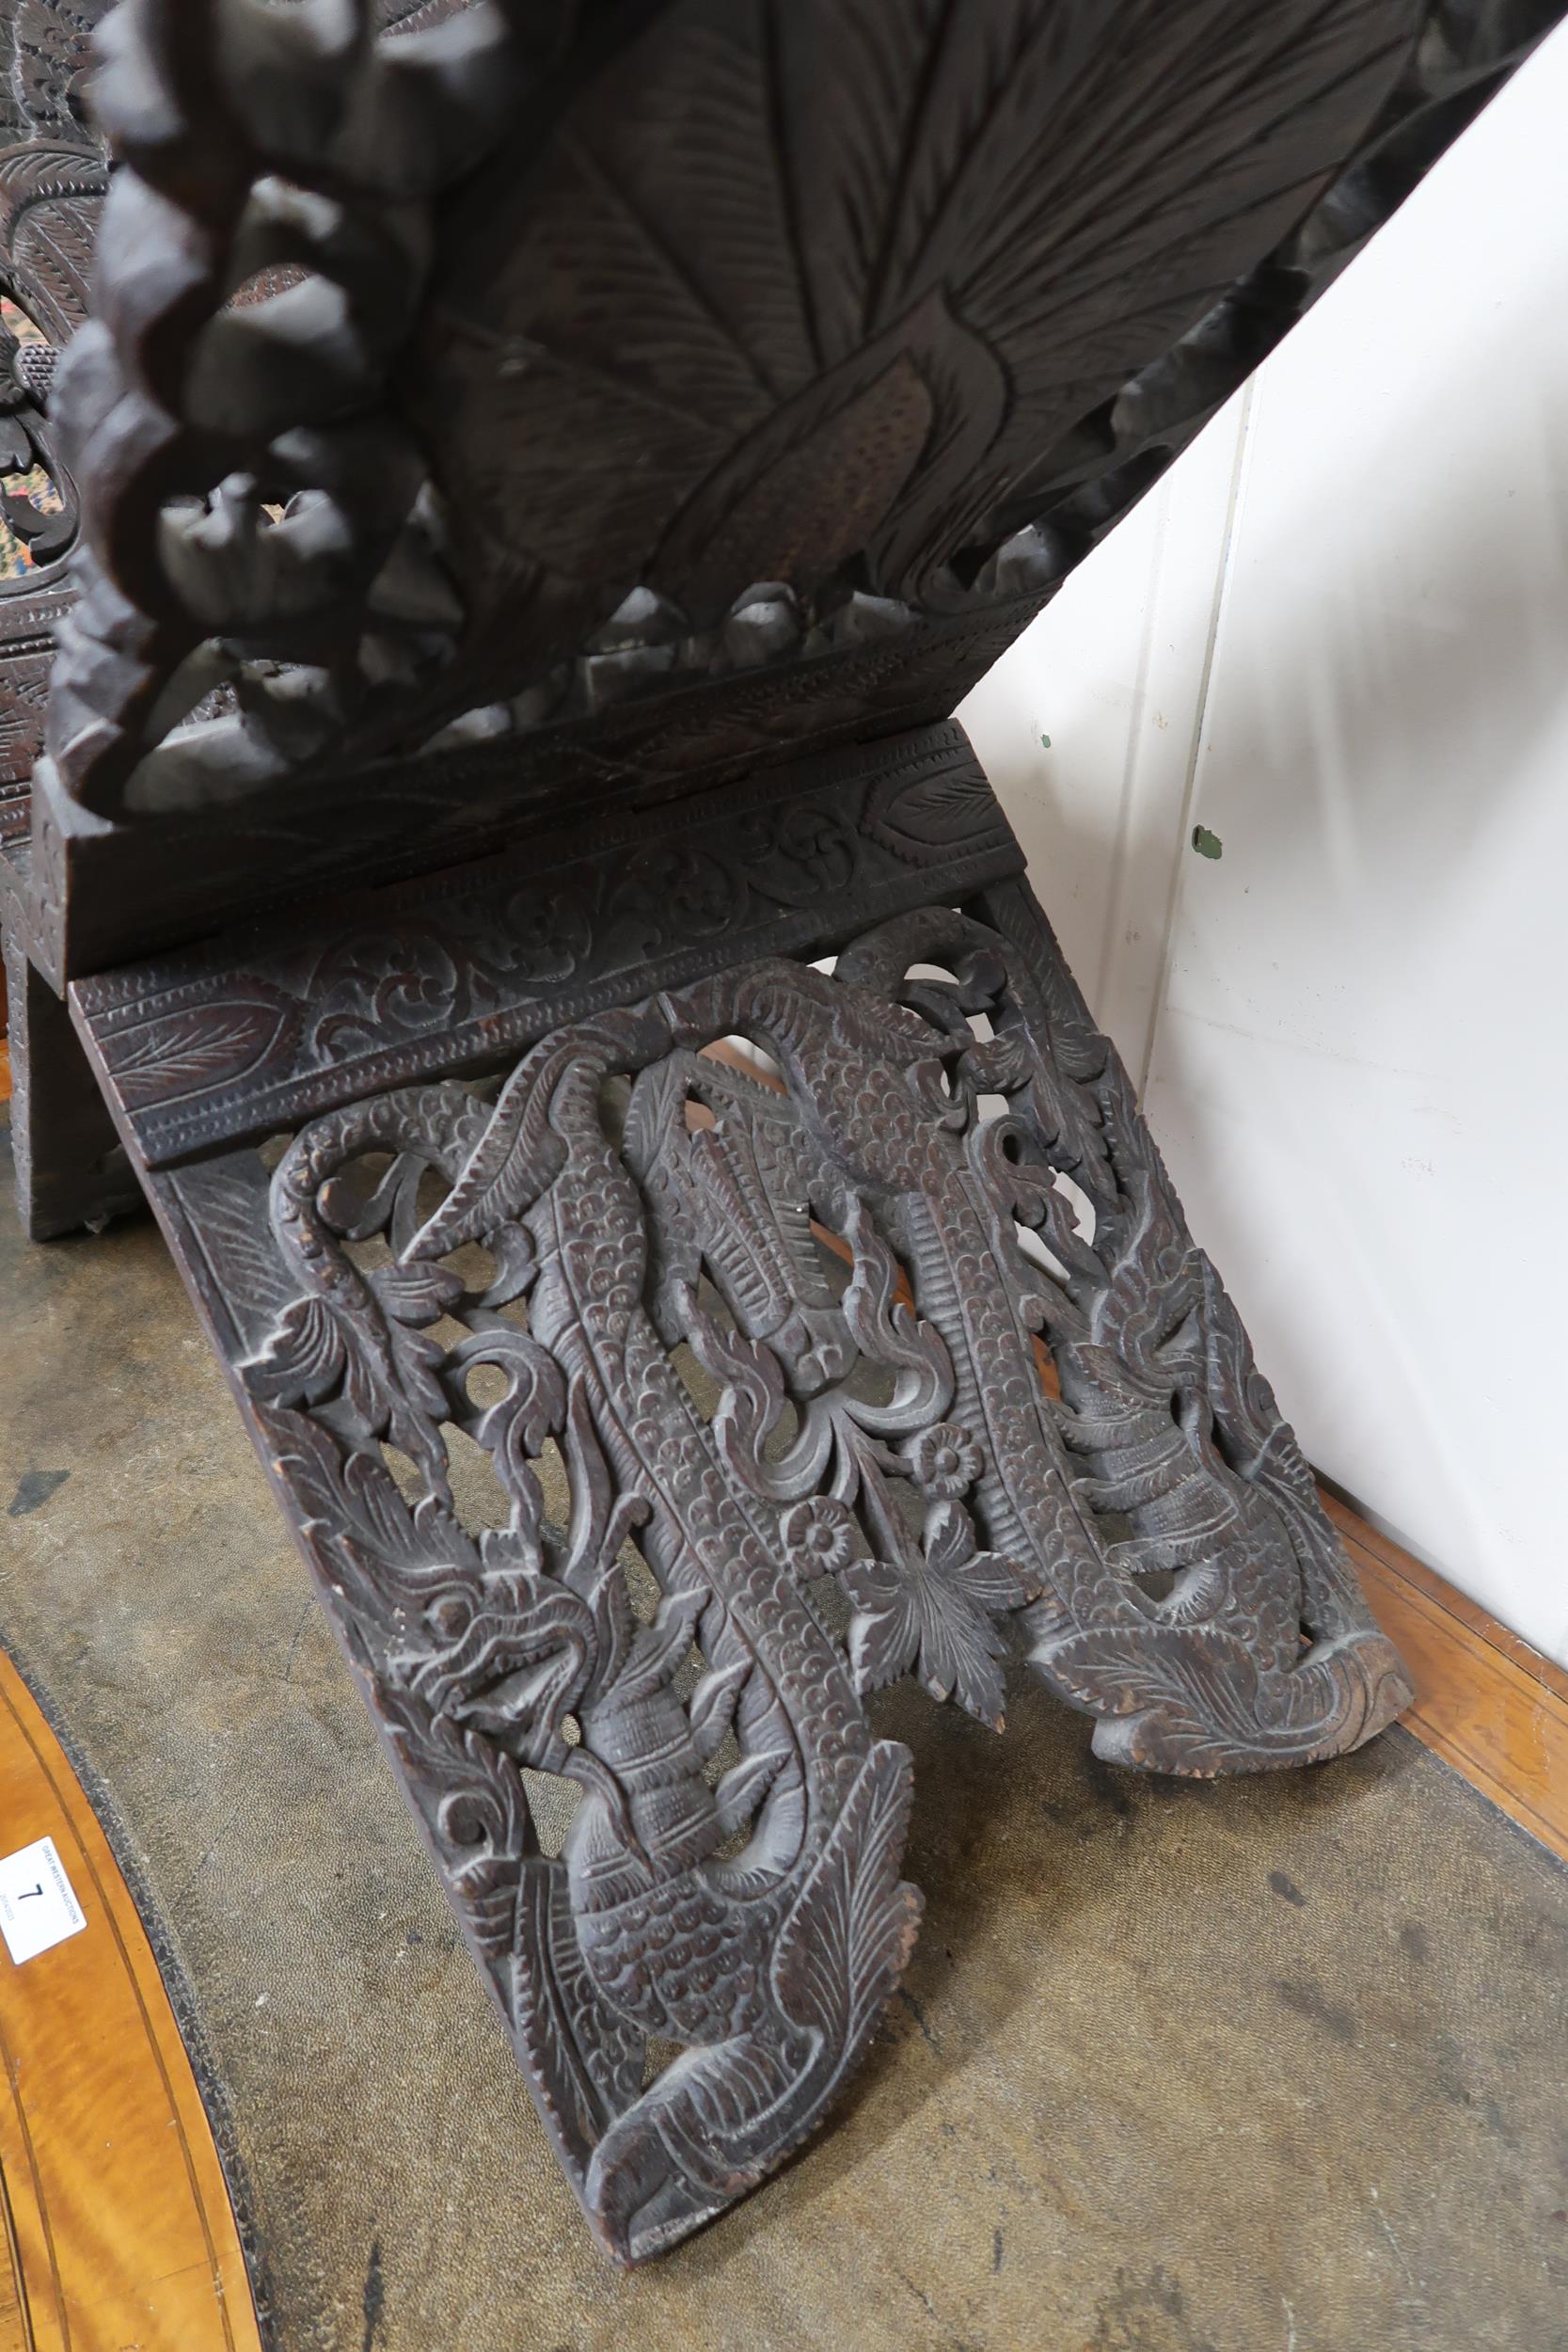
x=838 y=1462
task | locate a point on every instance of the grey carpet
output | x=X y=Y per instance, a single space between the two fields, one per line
x=1265 y=2067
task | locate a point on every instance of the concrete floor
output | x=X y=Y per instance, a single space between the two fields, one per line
x=1266 y=2066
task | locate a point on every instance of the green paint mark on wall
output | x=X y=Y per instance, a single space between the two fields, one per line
x=1207 y=844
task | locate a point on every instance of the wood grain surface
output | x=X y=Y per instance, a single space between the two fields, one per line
x=1485 y=1701
x=117 y=2233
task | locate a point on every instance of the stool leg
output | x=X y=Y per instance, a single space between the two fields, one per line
x=71 y=1168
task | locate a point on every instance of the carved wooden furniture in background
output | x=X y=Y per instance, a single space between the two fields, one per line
x=119 y=2231
x=71 y=1167
x=549 y=473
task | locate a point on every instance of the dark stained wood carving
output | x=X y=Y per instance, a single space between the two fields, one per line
x=52 y=172
x=110 y=892
x=604 y=1285
x=218 y=1044
x=804 y=328
x=52 y=182
x=553 y=466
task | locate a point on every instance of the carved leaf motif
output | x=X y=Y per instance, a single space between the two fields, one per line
x=712 y=1706
x=1014 y=60
x=397 y=1538
x=936 y=810
x=929 y=1614
x=235 y=1214
x=514 y=1160
x=587 y=2061
x=846 y=1943
x=802 y=495
x=1185 y=1703
x=1064 y=1115
x=49 y=47
x=304 y=1355
x=416 y=1292
x=741 y=1790
x=385 y=1377
x=161 y=1062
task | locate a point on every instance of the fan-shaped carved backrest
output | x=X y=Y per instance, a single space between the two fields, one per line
x=648 y=390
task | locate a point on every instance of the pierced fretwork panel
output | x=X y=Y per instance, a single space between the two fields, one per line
x=643 y=1420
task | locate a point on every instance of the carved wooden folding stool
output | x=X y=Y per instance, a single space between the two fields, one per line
x=541 y=476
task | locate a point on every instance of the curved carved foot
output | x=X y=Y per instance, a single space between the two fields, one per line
x=1185 y=1704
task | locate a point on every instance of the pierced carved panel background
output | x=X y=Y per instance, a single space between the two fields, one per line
x=645 y=1415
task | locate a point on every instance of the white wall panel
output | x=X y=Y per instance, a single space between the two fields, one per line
x=1112 y=673
x=1360 y=1072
